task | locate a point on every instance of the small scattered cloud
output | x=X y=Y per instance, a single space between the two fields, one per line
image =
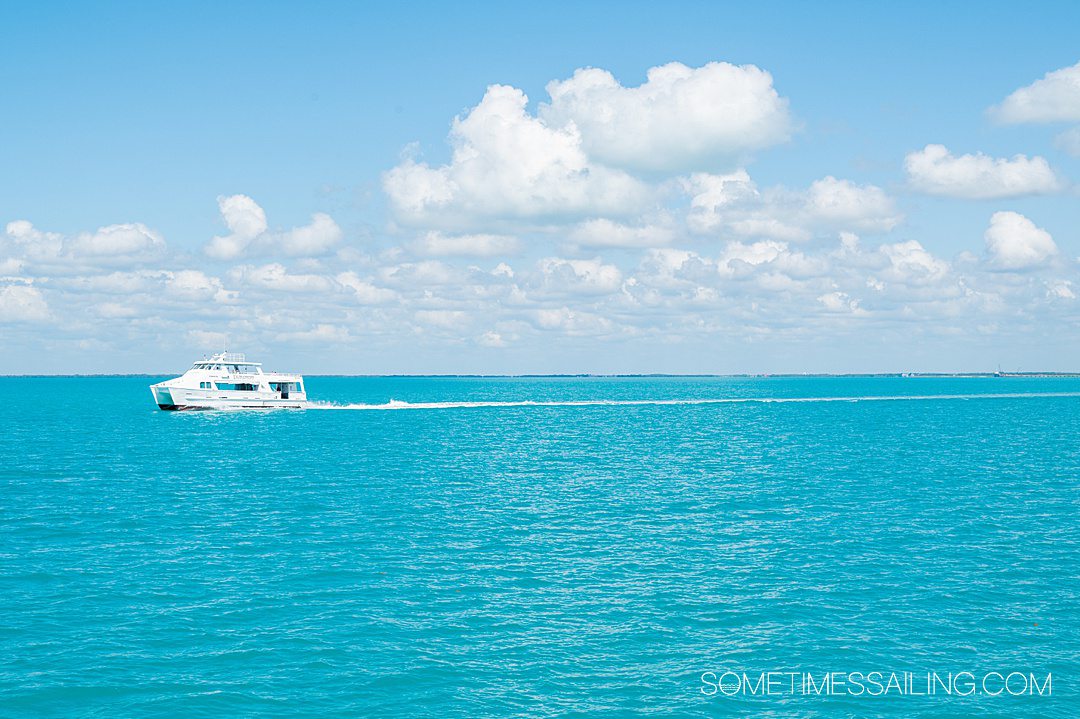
x=246 y=221
x=127 y=240
x=1060 y=289
x=321 y=334
x=491 y=338
x=365 y=292
x=738 y=255
x=732 y=203
x=910 y=263
x=32 y=243
x=315 y=238
x=1013 y=242
x=439 y=244
x=250 y=234
x=844 y=204
x=602 y=232
x=207 y=341
x=1053 y=98
x=274 y=276
x=935 y=171
x=195 y=285
x=839 y=302
x=579 y=277
x=573 y=322
x=444 y=319
x=22 y=303
x=115 y=245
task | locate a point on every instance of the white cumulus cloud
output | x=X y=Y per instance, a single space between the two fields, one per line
x=120 y=244
x=250 y=233
x=509 y=165
x=439 y=244
x=443 y=319
x=321 y=334
x=315 y=238
x=22 y=303
x=910 y=263
x=936 y=171
x=681 y=119
x=572 y=321
x=1060 y=289
x=274 y=276
x=602 y=232
x=733 y=203
x=31 y=242
x=207 y=340
x=195 y=285
x=585 y=277
x=118 y=240
x=245 y=219
x=738 y=254
x=842 y=203
x=366 y=293
x=1053 y=98
x=1013 y=242
x=491 y=338
x=839 y=302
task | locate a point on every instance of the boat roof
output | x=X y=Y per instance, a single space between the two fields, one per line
x=229 y=358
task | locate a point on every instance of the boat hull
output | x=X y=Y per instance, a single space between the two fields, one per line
x=230 y=405
x=179 y=408
x=163 y=397
x=180 y=399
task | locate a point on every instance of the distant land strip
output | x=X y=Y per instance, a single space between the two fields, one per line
x=742 y=375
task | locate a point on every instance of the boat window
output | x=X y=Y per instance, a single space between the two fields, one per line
x=242 y=386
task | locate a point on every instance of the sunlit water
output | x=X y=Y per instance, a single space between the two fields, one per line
x=536 y=547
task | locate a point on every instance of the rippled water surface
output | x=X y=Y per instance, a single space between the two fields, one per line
x=536 y=547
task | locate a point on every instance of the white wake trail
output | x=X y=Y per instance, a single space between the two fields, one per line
x=398 y=405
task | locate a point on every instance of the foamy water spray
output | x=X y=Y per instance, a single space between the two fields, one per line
x=398 y=405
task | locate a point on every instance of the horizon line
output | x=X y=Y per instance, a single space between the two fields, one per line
x=528 y=375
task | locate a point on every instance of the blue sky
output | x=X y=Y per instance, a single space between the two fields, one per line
x=151 y=122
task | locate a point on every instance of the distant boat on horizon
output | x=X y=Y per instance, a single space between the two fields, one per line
x=228 y=380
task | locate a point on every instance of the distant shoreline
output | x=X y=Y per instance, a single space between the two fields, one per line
x=745 y=375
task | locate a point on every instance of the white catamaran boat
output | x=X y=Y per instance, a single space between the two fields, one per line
x=228 y=381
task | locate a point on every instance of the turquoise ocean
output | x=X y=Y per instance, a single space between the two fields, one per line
x=539 y=547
